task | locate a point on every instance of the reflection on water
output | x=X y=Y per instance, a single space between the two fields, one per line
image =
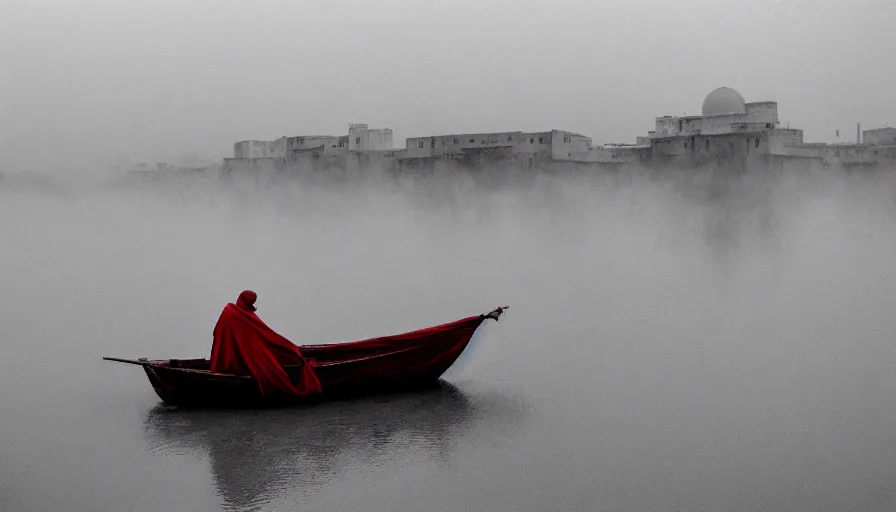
x=256 y=453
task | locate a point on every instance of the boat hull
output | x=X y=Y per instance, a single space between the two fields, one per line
x=412 y=360
x=184 y=387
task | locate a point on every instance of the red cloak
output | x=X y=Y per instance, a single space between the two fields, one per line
x=245 y=345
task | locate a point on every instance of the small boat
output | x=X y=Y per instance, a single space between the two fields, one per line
x=398 y=362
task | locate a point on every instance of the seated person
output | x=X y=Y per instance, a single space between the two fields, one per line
x=245 y=345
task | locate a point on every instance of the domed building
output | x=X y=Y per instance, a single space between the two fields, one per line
x=724 y=101
x=724 y=111
x=733 y=134
x=730 y=133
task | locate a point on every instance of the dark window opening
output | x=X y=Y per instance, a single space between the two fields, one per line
x=541 y=140
x=456 y=141
x=756 y=144
x=531 y=140
x=472 y=141
x=420 y=144
x=432 y=143
x=510 y=138
x=357 y=141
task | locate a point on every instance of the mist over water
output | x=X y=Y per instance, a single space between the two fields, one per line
x=688 y=343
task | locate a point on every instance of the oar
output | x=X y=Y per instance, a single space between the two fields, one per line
x=129 y=361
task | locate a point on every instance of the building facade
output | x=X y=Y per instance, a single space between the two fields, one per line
x=361 y=147
x=526 y=150
x=880 y=137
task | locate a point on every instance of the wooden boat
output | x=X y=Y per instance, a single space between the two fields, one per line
x=402 y=361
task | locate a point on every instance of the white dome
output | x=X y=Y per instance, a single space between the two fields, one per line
x=724 y=100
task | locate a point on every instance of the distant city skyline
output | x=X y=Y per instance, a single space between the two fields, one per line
x=101 y=82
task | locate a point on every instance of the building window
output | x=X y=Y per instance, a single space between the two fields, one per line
x=510 y=138
x=358 y=141
x=420 y=144
x=541 y=140
x=756 y=144
x=456 y=141
x=472 y=141
x=531 y=140
x=432 y=143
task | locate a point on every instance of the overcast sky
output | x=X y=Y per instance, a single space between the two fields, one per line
x=87 y=83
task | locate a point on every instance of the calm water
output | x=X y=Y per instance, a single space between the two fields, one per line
x=670 y=346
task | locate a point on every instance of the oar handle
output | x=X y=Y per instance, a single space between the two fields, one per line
x=141 y=362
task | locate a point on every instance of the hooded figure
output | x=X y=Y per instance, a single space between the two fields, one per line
x=245 y=345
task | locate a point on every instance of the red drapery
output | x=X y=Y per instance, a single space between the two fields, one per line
x=245 y=345
x=444 y=337
x=418 y=354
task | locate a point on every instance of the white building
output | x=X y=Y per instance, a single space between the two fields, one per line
x=359 y=138
x=521 y=148
x=724 y=111
x=362 y=138
x=737 y=135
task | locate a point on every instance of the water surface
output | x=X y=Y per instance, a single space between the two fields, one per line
x=671 y=345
